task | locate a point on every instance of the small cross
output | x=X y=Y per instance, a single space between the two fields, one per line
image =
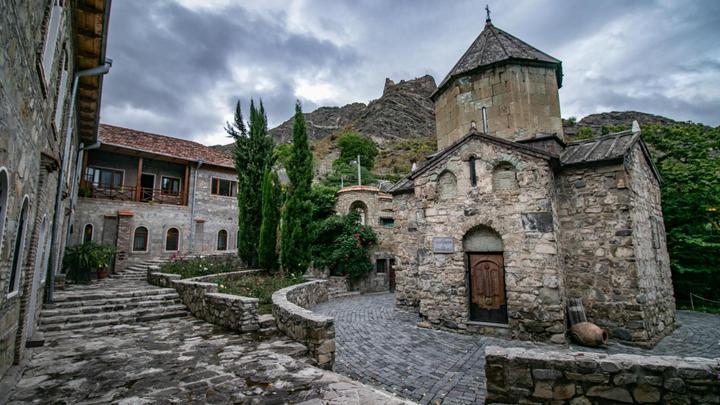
x=487 y=9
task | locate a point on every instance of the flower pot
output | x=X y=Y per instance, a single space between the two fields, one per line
x=589 y=334
x=102 y=274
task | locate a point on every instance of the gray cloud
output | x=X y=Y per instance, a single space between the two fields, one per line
x=180 y=66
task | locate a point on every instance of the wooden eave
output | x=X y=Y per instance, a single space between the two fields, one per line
x=90 y=31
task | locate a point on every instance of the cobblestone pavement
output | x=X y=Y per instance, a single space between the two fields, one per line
x=382 y=346
x=179 y=360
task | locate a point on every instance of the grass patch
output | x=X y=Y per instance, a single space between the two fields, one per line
x=260 y=286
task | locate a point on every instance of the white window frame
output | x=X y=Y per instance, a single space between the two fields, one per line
x=51 y=38
x=62 y=93
x=92 y=232
x=212 y=183
x=147 y=240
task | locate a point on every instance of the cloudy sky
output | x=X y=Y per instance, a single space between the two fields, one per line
x=180 y=65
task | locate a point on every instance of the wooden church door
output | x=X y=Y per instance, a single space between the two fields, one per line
x=487 y=288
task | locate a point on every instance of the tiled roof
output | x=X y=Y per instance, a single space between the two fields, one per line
x=608 y=147
x=162 y=145
x=492 y=46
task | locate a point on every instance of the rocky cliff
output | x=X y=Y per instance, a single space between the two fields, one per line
x=612 y=120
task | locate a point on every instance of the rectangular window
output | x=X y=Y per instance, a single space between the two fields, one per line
x=380 y=265
x=170 y=185
x=51 y=37
x=387 y=222
x=227 y=188
x=60 y=105
x=104 y=178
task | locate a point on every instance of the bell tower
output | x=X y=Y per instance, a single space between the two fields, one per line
x=504 y=85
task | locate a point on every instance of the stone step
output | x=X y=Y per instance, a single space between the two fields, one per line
x=127 y=314
x=105 y=294
x=270 y=331
x=49 y=329
x=113 y=307
x=266 y=321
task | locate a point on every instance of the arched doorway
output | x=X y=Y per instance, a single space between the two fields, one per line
x=361 y=209
x=487 y=302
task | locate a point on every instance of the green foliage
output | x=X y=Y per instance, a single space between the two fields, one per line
x=297 y=213
x=323 y=202
x=342 y=245
x=346 y=175
x=271 y=196
x=80 y=262
x=189 y=267
x=584 y=133
x=352 y=144
x=261 y=286
x=253 y=152
x=572 y=121
x=283 y=153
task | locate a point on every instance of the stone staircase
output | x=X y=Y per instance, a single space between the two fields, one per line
x=123 y=298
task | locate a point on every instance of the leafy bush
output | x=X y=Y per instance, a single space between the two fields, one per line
x=81 y=262
x=261 y=286
x=189 y=267
x=584 y=133
x=343 y=246
x=353 y=144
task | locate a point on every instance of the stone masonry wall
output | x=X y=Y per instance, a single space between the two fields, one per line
x=293 y=318
x=517 y=375
x=519 y=100
x=652 y=259
x=600 y=252
x=28 y=101
x=534 y=285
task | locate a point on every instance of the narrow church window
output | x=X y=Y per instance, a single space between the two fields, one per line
x=361 y=209
x=3 y=203
x=222 y=240
x=140 y=239
x=485 y=120
x=88 y=233
x=503 y=177
x=172 y=240
x=446 y=185
x=51 y=38
x=473 y=174
x=16 y=268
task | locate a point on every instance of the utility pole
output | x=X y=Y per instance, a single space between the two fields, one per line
x=359 y=173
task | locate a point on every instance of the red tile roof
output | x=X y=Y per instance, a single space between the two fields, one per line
x=161 y=145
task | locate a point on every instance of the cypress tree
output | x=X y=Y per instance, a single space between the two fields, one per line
x=267 y=254
x=297 y=215
x=253 y=152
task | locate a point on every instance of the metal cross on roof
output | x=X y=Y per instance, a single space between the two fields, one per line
x=487 y=10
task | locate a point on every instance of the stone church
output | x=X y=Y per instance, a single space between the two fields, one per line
x=507 y=221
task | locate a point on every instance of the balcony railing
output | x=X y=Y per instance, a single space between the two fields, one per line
x=131 y=193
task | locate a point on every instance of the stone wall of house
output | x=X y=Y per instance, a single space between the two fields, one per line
x=292 y=316
x=605 y=219
x=652 y=260
x=30 y=152
x=520 y=101
x=212 y=211
x=517 y=375
x=522 y=214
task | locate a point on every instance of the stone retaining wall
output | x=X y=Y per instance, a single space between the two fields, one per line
x=517 y=375
x=316 y=331
x=205 y=302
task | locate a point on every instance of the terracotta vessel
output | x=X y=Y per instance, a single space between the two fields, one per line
x=589 y=334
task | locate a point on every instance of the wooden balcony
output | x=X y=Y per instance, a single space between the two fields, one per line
x=130 y=193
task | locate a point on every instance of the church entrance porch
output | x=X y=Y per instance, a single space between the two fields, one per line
x=486 y=290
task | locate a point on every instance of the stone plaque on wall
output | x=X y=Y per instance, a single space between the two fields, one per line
x=537 y=221
x=443 y=245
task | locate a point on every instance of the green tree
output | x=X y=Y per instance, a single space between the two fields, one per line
x=271 y=196
x=253 y=152
x=352 y=144
x=342 y=245
x=584 y=133
x=297 y=214
x=344 y=174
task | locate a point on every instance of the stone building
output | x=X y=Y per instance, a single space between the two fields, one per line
x=51 y=68
x=153 y=197
x=506 y=221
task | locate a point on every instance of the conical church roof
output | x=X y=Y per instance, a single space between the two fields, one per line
x=494 y=46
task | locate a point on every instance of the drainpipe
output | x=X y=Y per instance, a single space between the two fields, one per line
x=192 y=208
x=55 y=255
x=76 y=180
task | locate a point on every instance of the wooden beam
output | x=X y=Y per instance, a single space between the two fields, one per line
x=88 y=33
x=187 y=182
x=88 y=8
x=138 y=191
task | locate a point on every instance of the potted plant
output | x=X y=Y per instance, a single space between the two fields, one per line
x=83 y=261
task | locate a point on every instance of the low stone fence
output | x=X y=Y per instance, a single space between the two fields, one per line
x=517 y=375
x=316 y=331
x=205 y=302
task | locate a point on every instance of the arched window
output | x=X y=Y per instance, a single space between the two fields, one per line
x=503 y=177
x=446 y=185
x=482 y=239
x=140 y=239
x=16 y=269
x=3 y=203
x=222 y=240
x=172 y=240
x=88 y=233
x=361 y=209
x=473 y=173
